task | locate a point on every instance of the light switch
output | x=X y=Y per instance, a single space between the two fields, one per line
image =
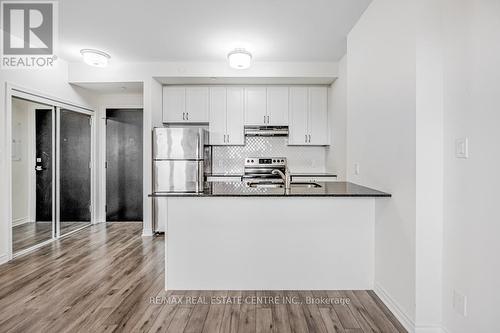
x=462 y=147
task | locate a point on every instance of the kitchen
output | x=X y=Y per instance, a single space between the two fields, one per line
x=265 y=166
x=198 y=173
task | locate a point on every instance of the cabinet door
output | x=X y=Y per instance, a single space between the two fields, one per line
x=277 y=106
x=217 y=124
x=197 y=104
x=255 y=106
x=298 y=116
x=318 y=116
x=235 y=116
x=174 y=107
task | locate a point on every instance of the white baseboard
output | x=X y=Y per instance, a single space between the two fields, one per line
x=147 y=232
x=402 y=316
x=3 y=258
x=395 y=308
x=20 y=221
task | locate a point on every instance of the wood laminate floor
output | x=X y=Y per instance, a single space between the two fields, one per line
x=30 y=234
x=102 y=279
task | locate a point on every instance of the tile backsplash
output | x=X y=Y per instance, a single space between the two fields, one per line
x=230 y=159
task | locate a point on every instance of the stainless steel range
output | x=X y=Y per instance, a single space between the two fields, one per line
x=266 y=172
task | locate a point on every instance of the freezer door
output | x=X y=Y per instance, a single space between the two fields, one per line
x=178 y=143
x=178 y=176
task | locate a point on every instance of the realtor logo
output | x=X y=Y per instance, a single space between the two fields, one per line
x=28 y=34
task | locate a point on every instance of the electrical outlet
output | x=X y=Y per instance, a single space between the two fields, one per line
x=460 y=303
x=462 y=147
x=356 y=168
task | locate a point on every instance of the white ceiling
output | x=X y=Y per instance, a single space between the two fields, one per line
x=206 y=30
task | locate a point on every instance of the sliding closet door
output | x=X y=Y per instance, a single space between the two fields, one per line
x=33 y=159
x=75 y=142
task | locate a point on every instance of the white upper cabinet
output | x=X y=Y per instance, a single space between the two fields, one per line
x=227 y=109
x=265 y=106
x=277 y=106
x=255 y=106
x=174 y=104
x=185 y=104
x=308 y=117
x=217 y=124
x=298 y=116
x=226 y=116
x=318 y=116
x=197 y=104
x=235 y=116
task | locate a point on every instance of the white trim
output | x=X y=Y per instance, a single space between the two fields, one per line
x=20 y=221
x=43 y=98
x=402 y=316
x=102 y=114
x=395 y=308
x=4 y=258
x=147 y=232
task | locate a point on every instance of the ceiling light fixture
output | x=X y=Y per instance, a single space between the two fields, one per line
x=95 y=58
x=239 y=59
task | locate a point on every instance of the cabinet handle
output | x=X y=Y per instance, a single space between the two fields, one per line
x=305 y=140
x=228 y=138
x=187 y=115
x=309 y=138
x=264 y=119
x=184 y=116
x=268 y=119
x=224 y=138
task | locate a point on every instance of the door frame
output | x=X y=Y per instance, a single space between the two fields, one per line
x=13 y=90
x=102 y=132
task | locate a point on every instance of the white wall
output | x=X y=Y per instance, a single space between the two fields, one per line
x=337 y=117
x=471 y=214
x=381 y=138
x=52 y=82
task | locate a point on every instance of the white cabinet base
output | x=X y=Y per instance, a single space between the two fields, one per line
x=232 y=243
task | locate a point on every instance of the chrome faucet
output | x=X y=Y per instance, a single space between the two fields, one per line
x=285 y=176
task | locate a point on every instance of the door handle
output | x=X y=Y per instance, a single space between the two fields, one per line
x=184 y=116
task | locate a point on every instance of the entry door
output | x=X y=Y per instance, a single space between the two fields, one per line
x=75 y=143
x=43 y=164
x=124 y=149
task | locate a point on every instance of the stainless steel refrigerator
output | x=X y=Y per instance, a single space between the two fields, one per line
x=181 y=157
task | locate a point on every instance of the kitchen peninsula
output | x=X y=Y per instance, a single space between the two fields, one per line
x=307 y=238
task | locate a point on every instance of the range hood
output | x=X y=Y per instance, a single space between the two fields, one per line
x=266 y=131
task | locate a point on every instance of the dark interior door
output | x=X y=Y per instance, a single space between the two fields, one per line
x=74 y=168
x=124 y=165
x=43 y=147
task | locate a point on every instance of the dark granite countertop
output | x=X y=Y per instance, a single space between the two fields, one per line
x=239 y=189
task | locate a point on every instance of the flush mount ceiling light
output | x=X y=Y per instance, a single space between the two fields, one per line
x=239 y=59
x=95 y=58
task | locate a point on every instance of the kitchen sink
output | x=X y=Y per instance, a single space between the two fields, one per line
x=305 y=185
